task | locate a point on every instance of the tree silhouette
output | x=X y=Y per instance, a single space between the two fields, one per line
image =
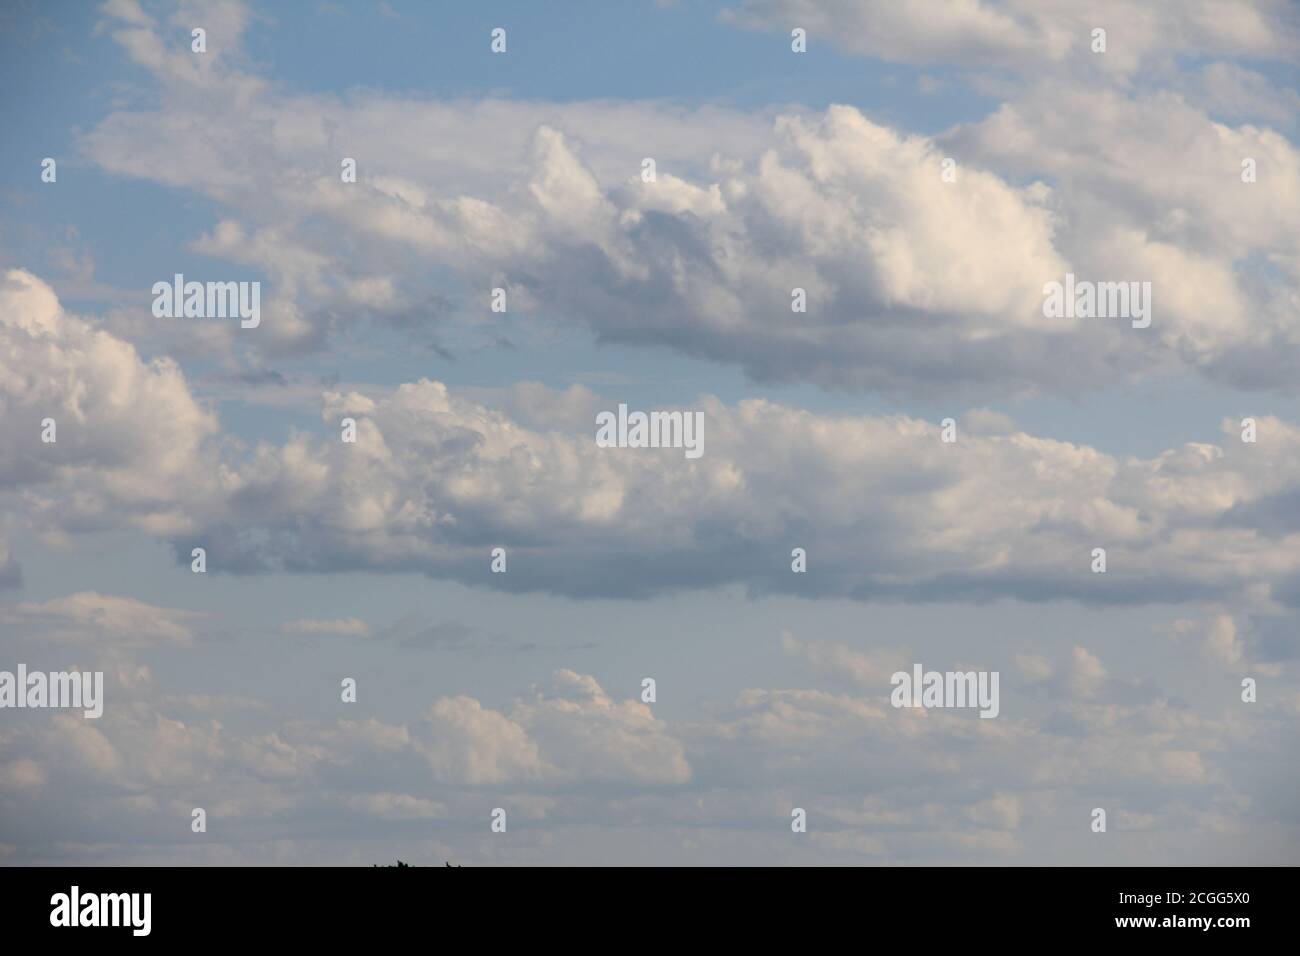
x=400 y=863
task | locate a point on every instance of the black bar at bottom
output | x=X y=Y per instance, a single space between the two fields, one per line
x=331 y=906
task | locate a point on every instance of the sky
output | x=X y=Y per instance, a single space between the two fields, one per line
x=921 y=170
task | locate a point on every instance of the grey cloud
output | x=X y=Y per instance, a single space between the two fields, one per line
x=435 y=481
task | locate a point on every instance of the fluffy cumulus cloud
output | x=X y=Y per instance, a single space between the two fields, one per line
x=914 y=284
x=153 y=756
x=93 y=433
x=569 y=760
x=434 y=481
x=881 y=505
x=1223 y=257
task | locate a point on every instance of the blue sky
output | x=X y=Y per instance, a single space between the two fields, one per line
x=523 y=689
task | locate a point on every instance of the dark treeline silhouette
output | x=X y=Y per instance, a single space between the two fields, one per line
x=400 y=863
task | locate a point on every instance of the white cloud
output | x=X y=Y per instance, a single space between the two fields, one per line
x=338 y=627
x=867 y=670
x=1086 y=673
x=478 y=746
x=1031 y=35
x=435 y=480
x=1217 y=636
x=545 y=200
x=90 y=618
x=879 y=783
x=131 y=442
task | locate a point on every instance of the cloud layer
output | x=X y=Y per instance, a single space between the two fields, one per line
x=882 y=506
x=915 y=284
x=921 y=238
x=572 y=764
